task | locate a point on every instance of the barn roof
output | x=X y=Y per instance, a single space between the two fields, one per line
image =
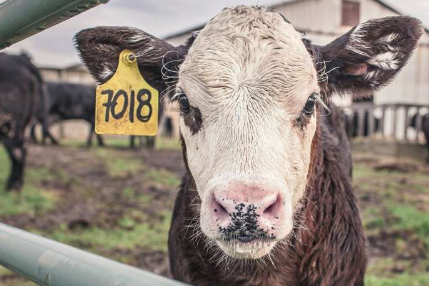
x=415 y=8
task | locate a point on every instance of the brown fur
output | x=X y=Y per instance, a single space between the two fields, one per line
x=332 y=248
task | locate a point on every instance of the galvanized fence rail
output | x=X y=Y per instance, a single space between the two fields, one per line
x=50 y=263
x=19 y=19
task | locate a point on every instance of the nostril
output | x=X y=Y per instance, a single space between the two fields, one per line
x=219 y=208
x=273 y=207
x=269 y=209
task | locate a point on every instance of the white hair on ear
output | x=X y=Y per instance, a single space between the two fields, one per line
x=385 y=61
x=372 y=74
x=356 y=43
x=136 y=38
x=387 y=39
x=106 y=73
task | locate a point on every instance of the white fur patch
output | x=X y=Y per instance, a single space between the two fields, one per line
x=372 y=75
x=106 y=73
x=356 y=42
x=136 y=38
x=385 y=61
x=387 y=39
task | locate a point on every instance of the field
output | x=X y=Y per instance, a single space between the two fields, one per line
x=117 y=202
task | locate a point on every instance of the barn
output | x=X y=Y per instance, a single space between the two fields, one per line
x=77 y=73
x=389 y=110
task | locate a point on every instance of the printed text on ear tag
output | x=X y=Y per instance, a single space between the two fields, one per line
x=126 y=104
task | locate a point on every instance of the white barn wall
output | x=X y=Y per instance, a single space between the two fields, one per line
x=313 y=15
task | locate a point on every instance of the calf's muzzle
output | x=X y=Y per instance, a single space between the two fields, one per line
x=245 y=212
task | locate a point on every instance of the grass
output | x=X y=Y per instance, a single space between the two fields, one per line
x=123 y=142
x=32 y=199
x=129 y=234
x=393 y=205
x=134 y=231
x=113 y=141
x=162 y=177
x=403 y=279
x=117 y=165
x=408 y=218
x=163 y=143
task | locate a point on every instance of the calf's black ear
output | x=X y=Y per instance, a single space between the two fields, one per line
x=158 y=61
x=369 y=55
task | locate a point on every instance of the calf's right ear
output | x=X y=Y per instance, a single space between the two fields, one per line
x=100 y=47
x=370 y=55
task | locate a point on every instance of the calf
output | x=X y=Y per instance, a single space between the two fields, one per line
x=267 y=197
x=21 y=87
x=71 y=101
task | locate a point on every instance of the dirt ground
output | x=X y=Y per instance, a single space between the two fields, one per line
x=117 y=202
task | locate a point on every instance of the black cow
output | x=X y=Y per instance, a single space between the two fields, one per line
x=42 y=116
x=424 y=128
x=21 y=87
x=72 y=101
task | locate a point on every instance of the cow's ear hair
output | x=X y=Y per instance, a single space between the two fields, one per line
x=369 y=55
x=99 y=49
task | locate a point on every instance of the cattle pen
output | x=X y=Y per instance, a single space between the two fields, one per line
x=46 y=262
x=204 y=209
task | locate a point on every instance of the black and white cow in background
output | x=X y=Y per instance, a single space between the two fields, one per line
x=21 y=88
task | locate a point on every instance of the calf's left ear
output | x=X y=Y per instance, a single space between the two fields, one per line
x=369 y=55
x=100 y=47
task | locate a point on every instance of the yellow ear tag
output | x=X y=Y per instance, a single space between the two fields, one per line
x=126 y=104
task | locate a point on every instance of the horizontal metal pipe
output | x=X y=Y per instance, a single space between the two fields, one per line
x=20 y=19
x=50 y=263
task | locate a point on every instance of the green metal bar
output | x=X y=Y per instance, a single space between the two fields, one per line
x=50 y=263
x=20 y=19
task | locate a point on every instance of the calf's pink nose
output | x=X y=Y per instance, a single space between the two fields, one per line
x=243 y=205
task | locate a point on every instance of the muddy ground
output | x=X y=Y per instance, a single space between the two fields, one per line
x=117 y=202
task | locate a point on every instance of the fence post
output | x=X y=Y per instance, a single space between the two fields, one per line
x=394 y=121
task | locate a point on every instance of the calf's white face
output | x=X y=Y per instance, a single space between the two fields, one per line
x=247 y=78
x=247 y=87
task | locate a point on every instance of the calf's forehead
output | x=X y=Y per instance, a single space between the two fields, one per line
x=251 y=49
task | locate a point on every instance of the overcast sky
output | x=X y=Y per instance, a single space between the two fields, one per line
x=161 y=18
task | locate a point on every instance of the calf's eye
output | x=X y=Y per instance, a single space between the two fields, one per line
x=183 y=100
x=184 y=103
x=310 y=104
